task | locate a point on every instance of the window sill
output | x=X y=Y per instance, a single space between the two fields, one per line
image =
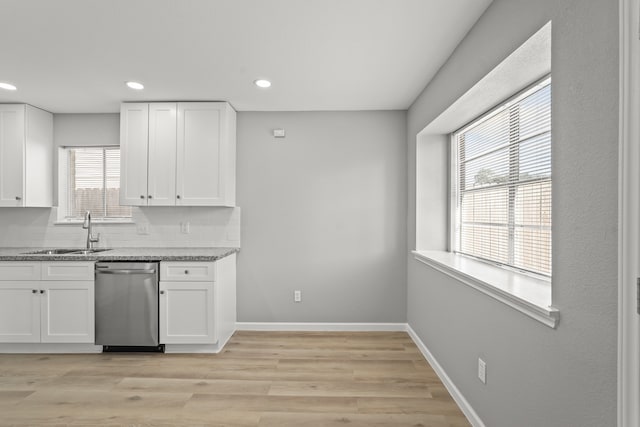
x=524 y=293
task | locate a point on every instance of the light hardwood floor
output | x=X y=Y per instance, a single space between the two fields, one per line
x=261 y=379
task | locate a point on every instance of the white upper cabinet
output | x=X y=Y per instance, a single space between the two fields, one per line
x=134 y=144
x=177 y=154
x=206 y=154
x=162 y=154
x=26 y=156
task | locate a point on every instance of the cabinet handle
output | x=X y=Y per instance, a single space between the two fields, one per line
x=178 y=196
x=18 y=198
x=42 y=291
x=126 y=271
x=149 y=196
x=34 y=291
x=142 y=196
x=161 y=292
x=186 y=272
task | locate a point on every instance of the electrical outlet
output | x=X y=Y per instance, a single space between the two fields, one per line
x=297 y=296
x=142 y=228
x=482 y=371
x=185 y=227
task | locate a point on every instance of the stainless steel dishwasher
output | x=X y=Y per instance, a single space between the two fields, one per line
x=127 y=306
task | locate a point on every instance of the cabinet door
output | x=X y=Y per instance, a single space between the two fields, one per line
x=38 y=158
x=67 y=312
x=12 y=140
x=19 y=311
x=186 y=313
x=201 y=154
x=134 y=141
x=162 y=154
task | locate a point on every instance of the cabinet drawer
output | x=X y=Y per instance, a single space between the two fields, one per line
x=20 y=270
x=187 y=271
x=64 y=270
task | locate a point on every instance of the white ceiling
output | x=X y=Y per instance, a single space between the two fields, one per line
x=73 y=56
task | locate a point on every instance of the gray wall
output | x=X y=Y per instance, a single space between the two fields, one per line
x=323 y=211
x=537 y=376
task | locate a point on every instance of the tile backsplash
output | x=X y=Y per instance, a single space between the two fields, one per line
x=151 y=227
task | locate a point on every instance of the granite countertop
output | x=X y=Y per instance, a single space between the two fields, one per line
x=122 y=254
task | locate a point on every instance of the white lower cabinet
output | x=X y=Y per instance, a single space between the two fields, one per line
x=187 y=313
x=50 y=306
x=67 y=312
x=19 y=311
x=46 y=310
x=197 y=303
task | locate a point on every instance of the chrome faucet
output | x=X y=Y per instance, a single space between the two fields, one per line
x=87 y=225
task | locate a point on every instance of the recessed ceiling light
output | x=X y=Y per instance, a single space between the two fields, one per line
x=262 y=83
x=135 y=85
x=7 y=86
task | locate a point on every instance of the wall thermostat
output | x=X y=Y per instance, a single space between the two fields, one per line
x=278 y=133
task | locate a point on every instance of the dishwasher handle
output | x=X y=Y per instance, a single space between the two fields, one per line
x=125 y=271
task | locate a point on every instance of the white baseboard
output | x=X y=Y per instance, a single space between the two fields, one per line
x=464 y=405
x=49 y=348
x=191 y=348
x=311 y=326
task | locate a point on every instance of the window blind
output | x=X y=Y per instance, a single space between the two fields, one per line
x=94 y=183
x=503 y=206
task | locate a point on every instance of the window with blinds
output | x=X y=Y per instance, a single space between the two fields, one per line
x=503 y=176
x=94 y=183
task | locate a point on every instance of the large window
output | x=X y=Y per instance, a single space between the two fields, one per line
x=502 y=168
x=93 y=183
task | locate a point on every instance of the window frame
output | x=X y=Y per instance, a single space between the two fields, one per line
x=64 y=184
x=527 y=295
x=454 y=208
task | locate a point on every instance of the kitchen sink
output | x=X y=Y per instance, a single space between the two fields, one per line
x=51 y=252
x=66 y=251
x=88 y=251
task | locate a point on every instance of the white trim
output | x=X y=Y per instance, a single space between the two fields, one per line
x=224 y=340
x=464 y=405
x=49 y=348
x=629 y=217
x=314 y=326
x=526 y=294
x=192 y=348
